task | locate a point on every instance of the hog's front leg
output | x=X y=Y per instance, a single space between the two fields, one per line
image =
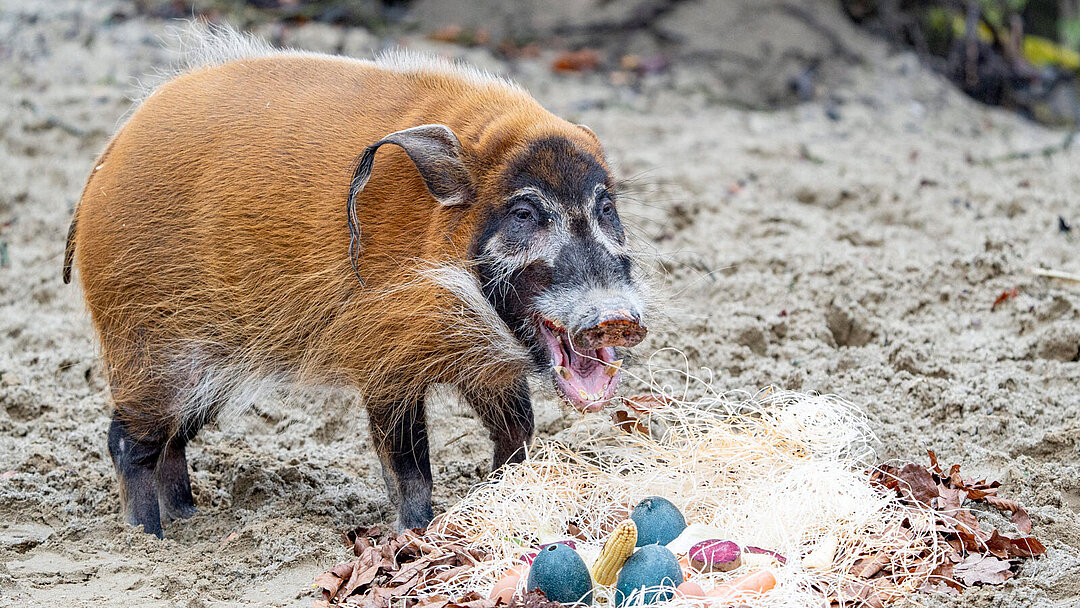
x=507 y=415
x=399 y=432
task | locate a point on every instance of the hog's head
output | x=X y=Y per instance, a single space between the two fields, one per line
x=553 y=261
x=548 y=246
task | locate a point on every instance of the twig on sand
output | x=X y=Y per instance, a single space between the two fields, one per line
x=1056 y=274
x=642 y=17
x=456 y=439
x=1045 y=151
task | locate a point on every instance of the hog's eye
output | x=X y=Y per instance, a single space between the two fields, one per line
x=607 y=207
x=523 y=214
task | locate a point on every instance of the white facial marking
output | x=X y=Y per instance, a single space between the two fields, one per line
x=613 y=247
x=539 y=196
x=543 y=247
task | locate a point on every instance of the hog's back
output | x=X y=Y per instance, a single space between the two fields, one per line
x=218 y=210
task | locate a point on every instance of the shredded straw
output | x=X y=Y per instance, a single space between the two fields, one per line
x=779 y=470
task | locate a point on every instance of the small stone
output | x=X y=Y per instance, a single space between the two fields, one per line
x=845 y=323
x=1059 y=342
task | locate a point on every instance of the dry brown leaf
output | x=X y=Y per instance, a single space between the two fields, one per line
x=937 y=586
x=1026 y=547
x=409 y=573
x=869 y=566
x=983 y=569
x=448 y=575
x=644 y=404
x=432 y=601
x=376 y=598
x=329 y=583
x=343 y=571
x=361 y=577
x=918 y=482
x=1004 y=546
x=951 y=498
x=628 y=423
x=934 y=466
x=584 y=60
x=945 y=573
x=1020 y=517
x=575 y=531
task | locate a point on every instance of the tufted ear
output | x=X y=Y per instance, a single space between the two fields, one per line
x=588 y=130
x=435 y=151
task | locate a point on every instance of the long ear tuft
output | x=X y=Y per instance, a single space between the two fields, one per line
x=591 y=133
x=436 y=152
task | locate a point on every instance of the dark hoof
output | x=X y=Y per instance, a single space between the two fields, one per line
x=150 y=527
x=169 y=515
x=414 y=515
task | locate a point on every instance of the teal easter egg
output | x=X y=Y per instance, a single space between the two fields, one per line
x=658 y=521
x=649 y=576
x=561 y=574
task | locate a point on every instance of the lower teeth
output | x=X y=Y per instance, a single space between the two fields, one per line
x=587 y=397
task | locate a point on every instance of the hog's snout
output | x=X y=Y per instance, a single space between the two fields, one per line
x=611 y=326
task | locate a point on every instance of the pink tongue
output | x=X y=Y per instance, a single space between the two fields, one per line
x=587 y=384
x=588 y=374
x=594 y=383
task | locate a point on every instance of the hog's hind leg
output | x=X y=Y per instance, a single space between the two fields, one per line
x=135 y=455
x=173 y=484
x=148 y=453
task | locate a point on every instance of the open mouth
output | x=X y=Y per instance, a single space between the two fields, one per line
x=586 y=378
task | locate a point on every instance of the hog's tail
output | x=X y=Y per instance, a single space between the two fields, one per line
x=69 y=248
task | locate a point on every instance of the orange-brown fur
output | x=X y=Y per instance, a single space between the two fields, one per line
x=211 y=237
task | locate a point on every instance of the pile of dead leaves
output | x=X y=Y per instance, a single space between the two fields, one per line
x=394 y=570
x=979 y=553
x=398 y=569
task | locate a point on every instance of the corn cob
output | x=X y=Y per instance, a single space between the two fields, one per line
x=619 y=546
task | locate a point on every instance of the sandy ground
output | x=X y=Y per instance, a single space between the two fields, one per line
x=851 y=245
